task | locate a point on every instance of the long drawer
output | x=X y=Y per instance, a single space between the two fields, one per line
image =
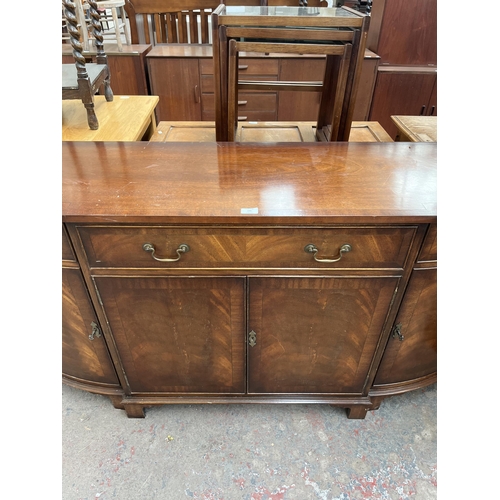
x=258 y=247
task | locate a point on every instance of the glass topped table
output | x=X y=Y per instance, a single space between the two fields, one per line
x=311 y=28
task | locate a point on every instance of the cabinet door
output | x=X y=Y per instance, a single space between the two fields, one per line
x=400 y=93
x=416 y=355
x=178 y=334
x=315 y=335
x=178 y=101
x=82 y=359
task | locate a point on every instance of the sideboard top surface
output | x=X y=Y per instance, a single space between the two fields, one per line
x=209 y=183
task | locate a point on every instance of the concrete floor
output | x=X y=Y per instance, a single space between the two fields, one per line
x=249 y=452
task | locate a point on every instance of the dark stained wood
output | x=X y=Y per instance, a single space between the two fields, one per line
x=372 y=247
x=416 y=355
x=82 y=80
x=67 y=250
x=176 y=101
x=178 y=332
x=429 y=248
x=315 y=335
x=178 y=335
x=287 y=183
x=83 y=360
x=402 y=91
x=403 y=32
x=128 y=67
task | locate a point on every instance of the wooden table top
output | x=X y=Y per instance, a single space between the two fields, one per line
x=204 y=131
x=416 y=128
x=126 y=118
x=218 y=182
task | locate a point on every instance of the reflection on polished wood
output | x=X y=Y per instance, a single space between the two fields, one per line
x=155 y=183
x=416 y=128
x=126 y=118
x=204 y=131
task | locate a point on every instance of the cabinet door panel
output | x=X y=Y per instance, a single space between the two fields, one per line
x=400 y=93
x=315 y=335
x=416 y=355
x=177 y=102
x=82 y=358
x=178 y=334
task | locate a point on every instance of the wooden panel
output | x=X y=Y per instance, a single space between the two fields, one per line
x=429 y=247
x=372 y=247
x=181 y=335
x=406 y=32
x=347 y=183
x=67 y=249
x=416 y=128
x=83 y=359
x=303 y=106
x=128 y=67
x=416 y=355
x=321 y=338
x=400 y=93
x=204 y=131
x=177 y=102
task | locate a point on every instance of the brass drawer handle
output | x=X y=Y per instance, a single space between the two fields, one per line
x=314 y=250
x=148 y=247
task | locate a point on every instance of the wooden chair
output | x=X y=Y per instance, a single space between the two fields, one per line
x=81 y=80
x=170 y=21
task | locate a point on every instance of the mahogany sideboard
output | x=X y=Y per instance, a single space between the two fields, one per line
x=249 y=273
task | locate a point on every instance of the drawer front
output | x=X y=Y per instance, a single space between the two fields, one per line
x=248 y=66
x=122 y=247
x=206 y=66
x=257 y=102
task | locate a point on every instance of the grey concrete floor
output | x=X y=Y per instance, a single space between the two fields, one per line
x=249 y=452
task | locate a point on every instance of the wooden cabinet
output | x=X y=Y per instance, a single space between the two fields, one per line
x=248 y=293
x=411 y=353
x=404 y=35
x=128 y=68
x=403 y=91
x=182 y=76
x=85 y=357
x=179 y=91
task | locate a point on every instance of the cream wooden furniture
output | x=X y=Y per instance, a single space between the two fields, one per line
x=127 y=118
x=82 y=24
x=292 y=30
x=83 y=80
x=113 y=20
x=249 y=273
x=204 y=131
x=416 y=128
